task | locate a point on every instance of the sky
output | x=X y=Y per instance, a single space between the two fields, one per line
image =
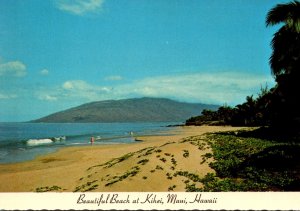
x=58 y=54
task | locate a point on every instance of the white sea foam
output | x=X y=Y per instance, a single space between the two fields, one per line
x=34 y=142
x=60 y=138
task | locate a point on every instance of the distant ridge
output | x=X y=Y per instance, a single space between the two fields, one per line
x=129 y=110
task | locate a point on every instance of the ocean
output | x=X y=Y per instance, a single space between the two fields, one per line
x=24 y=141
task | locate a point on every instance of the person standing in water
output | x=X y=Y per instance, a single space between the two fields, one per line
x=92 y=140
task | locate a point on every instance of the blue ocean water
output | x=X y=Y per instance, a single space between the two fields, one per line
x=24 y=141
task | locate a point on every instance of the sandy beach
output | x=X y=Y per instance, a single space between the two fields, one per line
x=147 y=165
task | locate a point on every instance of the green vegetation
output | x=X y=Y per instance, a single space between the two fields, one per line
x=190 y=176
x=143 y=162
x=206 y=156
x=163 y=160
x=165 y=144
x=174 y=162
x=243 y=162
x=254 y=112
x=186 y=153
x=149 y=151
x=48 y=189
x=171 y=188
x=159 y=167
x=114 y=161
x=196 y=141
x=87 y=187
x=131 y=173
x=169 y=176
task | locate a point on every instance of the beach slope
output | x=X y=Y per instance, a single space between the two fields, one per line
x=153 y=164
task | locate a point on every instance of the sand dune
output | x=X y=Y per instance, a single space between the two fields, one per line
x=150 y=165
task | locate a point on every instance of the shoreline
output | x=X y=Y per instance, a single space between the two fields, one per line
x=134 y=167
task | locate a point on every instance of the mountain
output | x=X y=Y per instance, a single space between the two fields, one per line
x=129 y=110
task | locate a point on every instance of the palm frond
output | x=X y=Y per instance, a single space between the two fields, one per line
x=284 y=13
x=286 y=50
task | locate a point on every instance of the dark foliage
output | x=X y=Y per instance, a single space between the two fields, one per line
x=252 y=164
x=254 y=112
x=285 y=63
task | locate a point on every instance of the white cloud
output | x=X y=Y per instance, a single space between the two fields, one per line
x=80 y=7
x=47 y=97
x=81 y=89
x=217 y=88
x=78 y=85
x=14 y=68
x=73 y=91
x=68 y=85
x=44 y=72
x=114 y=78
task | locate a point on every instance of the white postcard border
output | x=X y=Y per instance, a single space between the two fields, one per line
x=152 y=201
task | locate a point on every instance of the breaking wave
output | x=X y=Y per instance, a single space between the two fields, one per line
x=34 y=142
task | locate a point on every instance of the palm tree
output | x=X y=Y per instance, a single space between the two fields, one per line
x=285 y=62
x=286 y=42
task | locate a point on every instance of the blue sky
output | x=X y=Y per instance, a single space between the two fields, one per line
x=58 y=54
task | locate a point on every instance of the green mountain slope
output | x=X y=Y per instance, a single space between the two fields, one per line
x=129 y=110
